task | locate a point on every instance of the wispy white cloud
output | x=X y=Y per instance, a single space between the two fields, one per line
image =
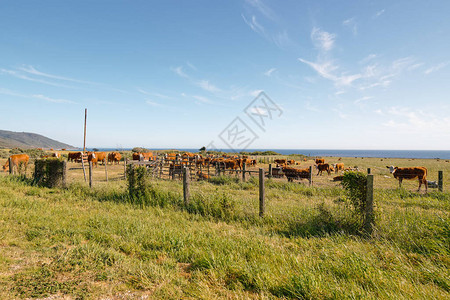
x=28 y=78
x=202 y=83
x=351 y=24
x=262 y=8
x=32 y=70
x=322 y=39
x=8 y=92
x=153 y=103
x=340 y=112
x=368 y=58
x=379 y=13
x=179 y=71
x=153 y=94
x=264 y=21
x=412 y=120
x=327 y=69
x=259 y=111
x=362 y=99
x=191 y=66
x=269 y=72
x=436 y=67
x=207 y=86
x=282 y=39
x=254 y=25
x=255 y=93
x=310 y=107
x=53 y=100
x=203 y=99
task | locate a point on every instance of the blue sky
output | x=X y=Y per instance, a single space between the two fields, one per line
x=175 y=74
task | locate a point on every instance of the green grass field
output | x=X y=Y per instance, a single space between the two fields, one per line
x=97 y=243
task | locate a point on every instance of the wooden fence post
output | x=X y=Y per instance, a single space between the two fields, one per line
x=440 y=181
x=369 y=217
x=160 y=168
x=64 y=174
x=83 y=166
x=186 y=181
x=244 y=167
x=106 y=172
x=368 y=171
x=270 y=171
x=310 y=176
x=262 y=205
x=90 y=174
x=11 y=166
x=125 y=161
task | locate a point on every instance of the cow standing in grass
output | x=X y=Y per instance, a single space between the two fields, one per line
x=17 y=160
x=323 y=167
x=410 y=173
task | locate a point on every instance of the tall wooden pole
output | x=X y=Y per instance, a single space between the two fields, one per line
x=85 y=119
x=262 y=205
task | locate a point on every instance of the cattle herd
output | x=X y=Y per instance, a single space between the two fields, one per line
x=233 y=163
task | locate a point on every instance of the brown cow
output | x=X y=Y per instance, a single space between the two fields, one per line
x=202 y=176
x=338 y=167
x=143 y=156
x=101 y=156
x=114 y=157
x=320 y=160
x=92 y=158
x=281 y=161
x=74 y=156
x=17 y=160
x=291 y=162
x=293 y=173
x=231 y=164
x=54 y=154
x=323 y=167
x=410 y=173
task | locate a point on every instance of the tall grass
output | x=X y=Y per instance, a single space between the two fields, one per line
x=100 y=243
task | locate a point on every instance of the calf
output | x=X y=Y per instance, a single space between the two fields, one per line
x=293 y=173
x=320 y=160
x=92 y=158
x=114 y=157
x=280 y=161
x=410 y=173
x=338 y=167
x=202 y=176
x=323 y=167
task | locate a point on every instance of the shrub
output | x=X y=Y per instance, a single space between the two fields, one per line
x=218 y=205
x=139 y=149
x=355 y=183
x=50 y=172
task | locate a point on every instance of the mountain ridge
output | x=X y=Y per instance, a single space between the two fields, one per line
x=13 y=139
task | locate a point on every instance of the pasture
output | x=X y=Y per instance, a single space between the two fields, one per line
x=98 y=243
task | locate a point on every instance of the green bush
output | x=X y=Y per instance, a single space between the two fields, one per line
x=50 y=172
x=139 y=149
x=218 y=205
x=355 y=183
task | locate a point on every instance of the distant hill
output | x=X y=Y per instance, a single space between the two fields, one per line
x=11 y=139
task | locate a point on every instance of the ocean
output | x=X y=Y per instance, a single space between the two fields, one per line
x=432 y=154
